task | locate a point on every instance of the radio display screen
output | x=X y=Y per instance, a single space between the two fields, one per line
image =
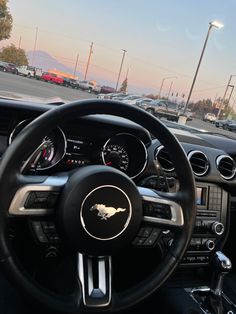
x=201 y=196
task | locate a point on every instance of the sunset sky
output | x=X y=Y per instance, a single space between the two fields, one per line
x=162 y=39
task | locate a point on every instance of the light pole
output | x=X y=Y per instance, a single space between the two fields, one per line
x=223 y=99
x=121 y=64
x=230 y=95
x=162 y=83
x=211 y=25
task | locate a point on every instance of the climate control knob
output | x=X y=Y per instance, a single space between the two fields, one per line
x=217 y=228
x=210 y=245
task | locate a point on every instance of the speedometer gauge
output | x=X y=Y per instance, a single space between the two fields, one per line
x=126 y=153
x=116 y=156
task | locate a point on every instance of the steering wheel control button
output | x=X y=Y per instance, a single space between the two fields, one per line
x=157 y=210
x=147 y=238
x=41 y=200
x=45 y=231
x=38 y=231
x=106 y=212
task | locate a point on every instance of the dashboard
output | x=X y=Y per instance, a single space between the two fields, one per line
x=122 y=144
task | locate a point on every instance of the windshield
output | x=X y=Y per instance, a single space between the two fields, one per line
x=172 y=61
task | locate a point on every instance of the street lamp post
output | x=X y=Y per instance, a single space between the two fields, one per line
x=223 y=99
x=162 y=83
x=121 y=65
x=230 y=95
x=211 y=25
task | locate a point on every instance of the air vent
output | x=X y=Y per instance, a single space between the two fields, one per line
x=162 y=156
x=199 y=162
x=226 y=166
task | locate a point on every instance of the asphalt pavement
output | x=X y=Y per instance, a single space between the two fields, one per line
x=15 y=86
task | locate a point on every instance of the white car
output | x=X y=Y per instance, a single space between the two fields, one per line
x=26 y=70
x=131 y=99
x=87 y=85
x=211 y=117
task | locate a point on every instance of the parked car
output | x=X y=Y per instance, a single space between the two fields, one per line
x=162 y=109
x=53 y=78
x=210 y=117
x=87 y=85
x=227 y=123
x=116 y=96
x=120 y=96
x=230 y=126
x=97 y=89
x=131 y=99
x=140 y=102
x=107 y=89
x=38 y=73
x=26 y=70
x=68 y=82
x=8 y=67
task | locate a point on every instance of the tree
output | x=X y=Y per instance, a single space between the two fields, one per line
x=124 y=86
x=13 y=55
x=5 y=20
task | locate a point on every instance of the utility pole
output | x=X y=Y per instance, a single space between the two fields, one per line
x=122 y=61
x=162 y=83
x=76 y=63
x=35 y=43
x=19 y=43
x=88 y=62
x=170 y=89
x=223 y=99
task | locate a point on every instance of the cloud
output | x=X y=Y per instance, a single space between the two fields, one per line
x=161 y=27
x=191 y=36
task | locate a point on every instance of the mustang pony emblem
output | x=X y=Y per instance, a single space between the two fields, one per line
x=106 y=212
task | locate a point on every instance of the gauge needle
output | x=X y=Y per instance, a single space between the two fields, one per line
x=109 y=163
x=34 y=157
x=35 y=161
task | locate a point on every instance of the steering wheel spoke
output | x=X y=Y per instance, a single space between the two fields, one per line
x=36 y=195
x=161 y=209
x=94 y=274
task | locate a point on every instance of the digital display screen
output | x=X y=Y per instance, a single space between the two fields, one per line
x=201 y=196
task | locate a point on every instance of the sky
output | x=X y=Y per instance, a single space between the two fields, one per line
x=162 y=38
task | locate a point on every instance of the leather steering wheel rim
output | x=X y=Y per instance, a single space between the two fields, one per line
x=9 y=171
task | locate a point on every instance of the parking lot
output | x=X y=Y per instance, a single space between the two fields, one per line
x=14 y=86
x=17 y=86
x=210 y=127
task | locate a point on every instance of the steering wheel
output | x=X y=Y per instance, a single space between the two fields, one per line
x=99 y=212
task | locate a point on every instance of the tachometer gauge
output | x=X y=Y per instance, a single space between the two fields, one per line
x=50 y=151
x=45 y=155
x=115 y=156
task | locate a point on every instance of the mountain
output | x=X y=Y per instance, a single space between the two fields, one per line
x=44 y=60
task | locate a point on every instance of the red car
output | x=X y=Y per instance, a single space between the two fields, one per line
x=50 y=77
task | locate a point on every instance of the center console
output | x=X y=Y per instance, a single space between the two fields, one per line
x=210 y=226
